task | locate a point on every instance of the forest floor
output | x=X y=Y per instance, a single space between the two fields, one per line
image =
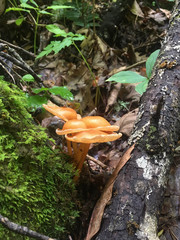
x=118 y=44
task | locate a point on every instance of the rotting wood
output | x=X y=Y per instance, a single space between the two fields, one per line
x=133 y=212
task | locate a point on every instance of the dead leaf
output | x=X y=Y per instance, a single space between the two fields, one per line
x=126 y=122
x=160 y=15
x=136 y=10
x=102 y=46
x=98 y=211
x=166 y=12
x=98 y=61
x=2 y=6
x=113 y=96
x=128 y=93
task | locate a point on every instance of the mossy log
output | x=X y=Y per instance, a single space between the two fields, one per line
x=133 y=211
x=36 y=183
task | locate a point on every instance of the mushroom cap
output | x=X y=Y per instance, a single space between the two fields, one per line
x=99 y=123
x=92 y=136
x=61 y=112
x=72 y=126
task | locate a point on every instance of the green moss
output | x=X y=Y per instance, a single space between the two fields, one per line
x=36 y=185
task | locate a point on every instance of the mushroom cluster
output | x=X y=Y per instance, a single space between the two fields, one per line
x=81 y=132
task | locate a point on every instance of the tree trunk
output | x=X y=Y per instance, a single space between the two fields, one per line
x=139 y=187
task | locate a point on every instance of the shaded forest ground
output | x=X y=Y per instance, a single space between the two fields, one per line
x=124 y=37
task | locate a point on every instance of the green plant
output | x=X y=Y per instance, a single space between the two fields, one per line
x=68 y=40
x=28 y=6
x=41 y=95
x=36 y=183
x=133 y=77
x=121 y=105
x=82 y=14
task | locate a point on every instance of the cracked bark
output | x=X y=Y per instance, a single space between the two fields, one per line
x=139 y=188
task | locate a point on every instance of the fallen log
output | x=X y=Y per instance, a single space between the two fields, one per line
x=140 y=185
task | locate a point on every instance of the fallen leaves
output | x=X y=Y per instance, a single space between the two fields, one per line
x=98 y=211
x=126 y=122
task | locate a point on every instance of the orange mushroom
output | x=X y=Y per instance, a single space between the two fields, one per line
x=99 y=123
x=81 y=133
x=64 y=113
x=85 y=138
x=72 y=126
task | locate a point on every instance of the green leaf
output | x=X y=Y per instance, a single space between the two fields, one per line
x=25 y=5
x=56 y=30
x=28 y=78
x=141 y=88
x=38 y=90
x=126 y=77
x=150 y=62
x=23 y=1
x=33 y=2
x=62 y=91
x=19 y=21
x=49 y=48
x=44 y=52
x=78 y=37
x=45 y=12
x=56 y=7
x=16 y=9
x=55 y=46
x=65 y=43
x=36 y=101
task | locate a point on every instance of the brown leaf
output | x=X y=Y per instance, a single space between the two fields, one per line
x=131 y=94
x=113 y=96
x=2 y=6
x=98 y=211
x=126 y=122
x=136 y=10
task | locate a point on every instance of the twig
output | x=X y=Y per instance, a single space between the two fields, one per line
x=22 y=229
x=9 y=75
x=23 y=65
x=2 y=63
x=127 y=68
x=18 y=48
x=135 y=65
x=3 y=47
x=96 y=161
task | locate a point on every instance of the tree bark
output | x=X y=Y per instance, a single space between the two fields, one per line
x=139 y=187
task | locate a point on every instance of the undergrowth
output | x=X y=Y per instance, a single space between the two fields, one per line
x=36 y=185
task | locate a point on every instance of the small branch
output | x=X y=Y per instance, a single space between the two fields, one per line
x=96 y=161
x=3 y=47
x=18 y=48
x=22 y=229
x=9 y=75
x=21 y=64
x=127 y=68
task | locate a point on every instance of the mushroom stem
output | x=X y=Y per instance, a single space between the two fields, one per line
x=76 y=153
x=69 y=147
x=82 y=152
x=84 y=148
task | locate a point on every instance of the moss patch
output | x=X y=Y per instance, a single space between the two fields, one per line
x=36 y=185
